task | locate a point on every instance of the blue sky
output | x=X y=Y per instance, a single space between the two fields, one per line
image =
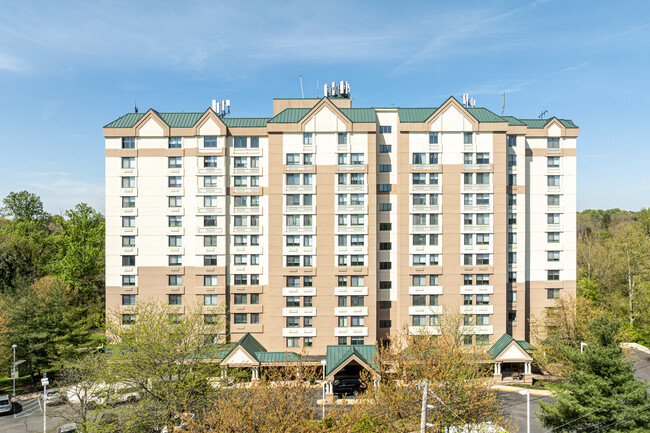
x=68 y=68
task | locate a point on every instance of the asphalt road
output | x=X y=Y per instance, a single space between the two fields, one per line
x=514 y=404
x=28 y=418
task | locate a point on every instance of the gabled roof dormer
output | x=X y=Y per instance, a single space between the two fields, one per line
x=151 y=125
x=210 y=124
x=325 y=117
x=451 y=116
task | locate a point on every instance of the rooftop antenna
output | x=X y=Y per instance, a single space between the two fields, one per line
x=301 y=91
x=542 y=114
x=135 y=106
x=503 y=103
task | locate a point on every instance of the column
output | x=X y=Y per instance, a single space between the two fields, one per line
x=256 y=373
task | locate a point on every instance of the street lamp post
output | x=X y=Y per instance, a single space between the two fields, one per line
x=45 y=382
x=324 y=363
x=582 y=347
x=13 y=370
x=527 y=394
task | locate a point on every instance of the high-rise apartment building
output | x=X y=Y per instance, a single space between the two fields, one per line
x=327 y=224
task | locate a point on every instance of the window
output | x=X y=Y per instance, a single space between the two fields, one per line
x=241 y=279
x=174 y=201
x=384 y=226
x=128 y=299
x=552 y=293
x=512 y=180
x=384 y=246
x=468 y=279
x=385 y=148
x=240 y=259
x=482 y=299
x=512 y=160
x=307 y=158
x=468 y=300
x=553 y=275
x=385 y=168
x=512 y=238
x=128 y=319
x=210 y=181
x=482 y=279
x=512 y=296
x=468 y=320
x=357 y=199
x=385 y=265
x=482 y=319
x=255 y=318
x=307 y=138
x=419 y=179
x=384 y=323
x=553 y=218
x=512 y=257
x=255 y=142
x=293 y=301
x=128 y=142
x=241 y=318
x=385 y=187
x=174 y=181
x=174 y=260
x=210 y=280
x=553 y=200
x=553 y=142
x=356 y=219
x=210 y=220
x=385 y=284
x=240 y=299
x=175 y=299
x=343 y=341
x=210 y=319
x=553 y=256
x=128 y=280
x=468 y=179
x=293 y=158
x=419 y=320
x=482 y=259
x=175 y=280
x=419 y=300
x=342 y=138
x=128 y=162
x=553 y=237
x=467 y=137
x=553 y=180
x=128 y=202
x=293 y=261
x=174 y=221
x=483 y=239
x=128 y=182
x=174 y=162
x=240 y=142
x=482 y=178
x=553 y=161
x=468 y=219
x=356 y=158
x=209 y=161
x=482 y=218
x=512 y=218
x=209 y=299
x=433 y=158
x=128 y=260
x=356 y=301
x=385 y=129
x=358 y=260
x=433 y=138
x=307 y=179
x=357 y=179
x=356 y=321
x=209 y=141
x=210 y=260
x=175 y=142
x=210 y=241
x=511 y=140
x=511 y=277
x=482 y=158
x=128 y=241
x=293 y=341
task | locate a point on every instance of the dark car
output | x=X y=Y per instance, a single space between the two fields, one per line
x=345 y=387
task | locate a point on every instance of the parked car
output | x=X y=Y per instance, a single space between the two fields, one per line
x=102 y=394
x=348 y=387
x=5 y=404
x=53 y=397
x=67 y=428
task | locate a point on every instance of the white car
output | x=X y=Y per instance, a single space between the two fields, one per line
x=53 y=397
x=5 y=404
x=102 y=394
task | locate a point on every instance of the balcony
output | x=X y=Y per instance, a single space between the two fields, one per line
x=351 y=311
x=299 y=311
x=351 y=331
x=425 y=310
x=298 y=332
x=350 y=291
x=476 y=290
x=477 y=309
x=425 y=330
x=299 y=291
x=425 y=290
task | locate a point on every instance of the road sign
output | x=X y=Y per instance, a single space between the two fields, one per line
x=45 y=381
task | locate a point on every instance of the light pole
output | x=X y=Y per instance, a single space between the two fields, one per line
x=13 y=370
x=582 y=347
x=323 y=363
x=527 y=394
x=45 y=382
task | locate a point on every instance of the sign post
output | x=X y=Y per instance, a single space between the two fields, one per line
x=13 y=370
x=45 y=382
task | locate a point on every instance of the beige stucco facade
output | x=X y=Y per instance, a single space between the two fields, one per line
x=339 y=227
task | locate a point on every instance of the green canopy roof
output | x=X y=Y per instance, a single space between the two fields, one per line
x=503 y=342
x=337 y=355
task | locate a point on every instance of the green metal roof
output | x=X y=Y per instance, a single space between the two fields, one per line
x=290 y=115
x=541 y=123
x=245 y=122
x=513 y=121
x=503 y=342
x=415 y=115
x=337 y=355
x=360 y=115
x=180 y=120
x=276 y=356
x=126 y=121
x=484 y=115
x=250 y=344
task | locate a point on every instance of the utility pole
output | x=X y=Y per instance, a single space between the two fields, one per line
x=13 y=370
x=425 y=396
x=45 y=382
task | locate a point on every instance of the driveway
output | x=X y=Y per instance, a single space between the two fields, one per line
x=27 y=417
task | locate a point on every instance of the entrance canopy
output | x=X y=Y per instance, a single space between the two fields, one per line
x=507 y=349
x=338 y=357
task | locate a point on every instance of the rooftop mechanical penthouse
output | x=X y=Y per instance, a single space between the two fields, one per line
x=326 y=224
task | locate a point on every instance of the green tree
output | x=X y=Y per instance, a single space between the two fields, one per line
x=23 y=206
x=79 y=256
x=41 y=322
x=601 y=390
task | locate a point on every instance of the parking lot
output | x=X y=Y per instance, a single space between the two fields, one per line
x=27 y=417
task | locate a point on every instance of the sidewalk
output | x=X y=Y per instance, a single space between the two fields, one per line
x=532 y=391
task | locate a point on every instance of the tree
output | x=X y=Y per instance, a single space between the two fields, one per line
x=601 y=390
x=79 y=257
x=23 y=206
x=167 y=356
x=459 y=375
x=280 y=401
x=563 y=325
x=43 y=324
